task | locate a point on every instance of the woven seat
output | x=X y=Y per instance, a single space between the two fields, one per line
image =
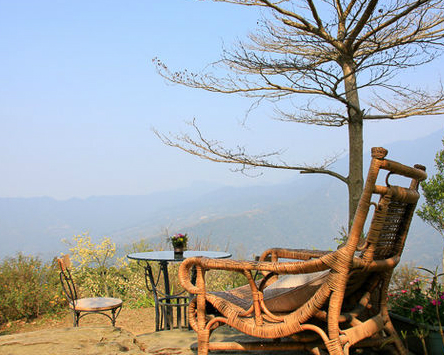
x=84 y=306
x=340 y=308
x=96 y=304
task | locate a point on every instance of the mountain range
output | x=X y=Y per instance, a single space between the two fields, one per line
x=307 y=212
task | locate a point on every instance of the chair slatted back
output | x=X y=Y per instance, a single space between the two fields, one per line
x=66 y=278
x=392 y=213
x=391 y=219
x=394 y=232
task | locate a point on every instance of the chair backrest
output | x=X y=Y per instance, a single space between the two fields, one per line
x=392 y=215
x=66 y=278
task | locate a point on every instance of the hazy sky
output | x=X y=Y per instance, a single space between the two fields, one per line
x=79 y=95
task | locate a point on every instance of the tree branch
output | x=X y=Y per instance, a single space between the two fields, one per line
x=361 y=23
x=407 y=103
x=214 y=151
x=390 y=21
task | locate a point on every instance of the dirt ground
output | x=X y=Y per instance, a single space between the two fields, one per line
x=137 y=321
x=140 y=322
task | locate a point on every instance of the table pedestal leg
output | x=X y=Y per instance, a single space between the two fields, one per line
x=149 y=273
x=164 y=301
x=168 y=311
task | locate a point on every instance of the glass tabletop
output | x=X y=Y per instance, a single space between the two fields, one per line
x=168 y=255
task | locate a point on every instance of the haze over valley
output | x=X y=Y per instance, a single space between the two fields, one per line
x=306 y=212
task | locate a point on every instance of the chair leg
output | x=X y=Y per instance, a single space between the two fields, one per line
x=162 y=322
x=114 y=314
x=113 y=317
x=203 y=340
x=75 y=316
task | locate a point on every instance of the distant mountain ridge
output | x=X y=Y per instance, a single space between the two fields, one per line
x=304 y=213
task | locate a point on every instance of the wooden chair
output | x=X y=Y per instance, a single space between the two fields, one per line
x=83 y=306
x=344 y=306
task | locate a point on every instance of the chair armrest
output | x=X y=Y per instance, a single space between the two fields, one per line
x=298 y=254
x=203 y=264
x=377 y=265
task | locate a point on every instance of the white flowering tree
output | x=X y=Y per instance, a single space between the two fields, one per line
x=92 y=264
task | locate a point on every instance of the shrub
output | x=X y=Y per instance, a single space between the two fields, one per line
x=97 y=273
x=402 y=276
x=92 y=269
x=29 y=288
x=420 y=300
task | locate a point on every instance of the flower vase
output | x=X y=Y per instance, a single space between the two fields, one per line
x=178 y=252
x=433 y=339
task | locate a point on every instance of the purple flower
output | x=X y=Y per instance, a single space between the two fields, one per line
x=415 y=281
x=435 y=302
x=417 y=308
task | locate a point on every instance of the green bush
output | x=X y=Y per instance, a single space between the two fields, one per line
x=421 y=300
x=29 y=288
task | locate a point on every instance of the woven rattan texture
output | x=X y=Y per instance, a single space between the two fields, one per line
x=348 y=309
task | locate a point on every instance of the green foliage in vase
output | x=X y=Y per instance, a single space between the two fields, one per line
x=179 y=240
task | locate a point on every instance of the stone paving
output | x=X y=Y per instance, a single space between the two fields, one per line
x=109 y=341
x=181 y=342
x=70 y=341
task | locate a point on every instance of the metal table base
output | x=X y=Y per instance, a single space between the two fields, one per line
x=171 y=309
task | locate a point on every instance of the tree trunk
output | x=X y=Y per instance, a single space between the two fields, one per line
x=442 y=257
x=355 y=125
x=355 y=179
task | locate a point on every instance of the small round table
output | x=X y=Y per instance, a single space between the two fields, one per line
x=164 y=301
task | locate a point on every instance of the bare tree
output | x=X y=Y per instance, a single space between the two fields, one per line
x=333 y=50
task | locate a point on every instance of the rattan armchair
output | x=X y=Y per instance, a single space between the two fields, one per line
x=346 y=308
x=83 y=306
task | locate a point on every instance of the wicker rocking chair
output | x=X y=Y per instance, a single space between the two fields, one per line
x=342 y=307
